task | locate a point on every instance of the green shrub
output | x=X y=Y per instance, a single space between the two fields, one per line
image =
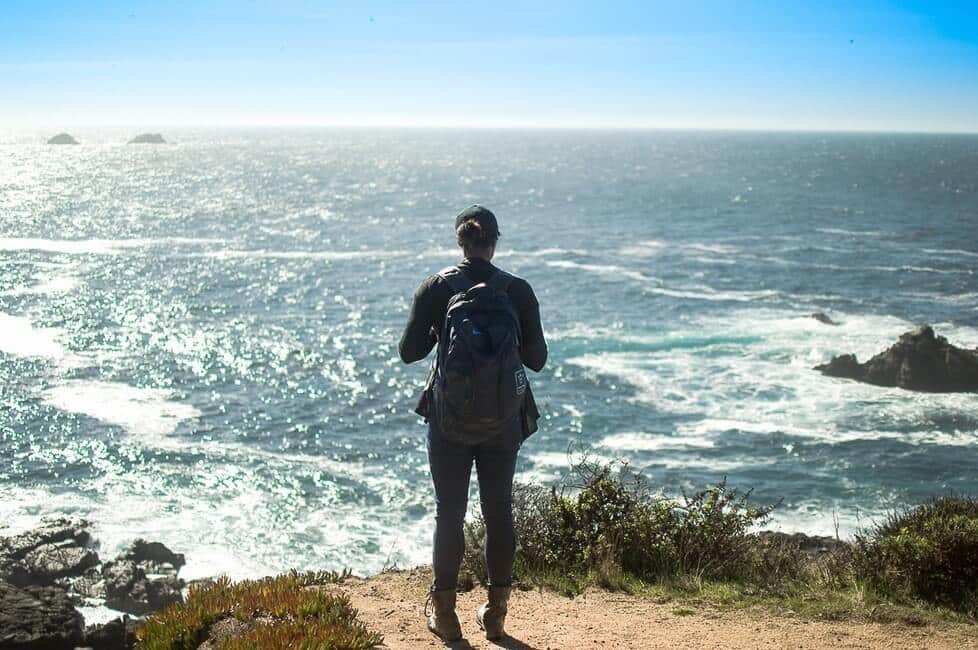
x=609 y=522
x=928 y=552
x=713 y=536
x=285 y=612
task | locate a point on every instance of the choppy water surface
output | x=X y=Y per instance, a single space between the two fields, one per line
x=198 y=340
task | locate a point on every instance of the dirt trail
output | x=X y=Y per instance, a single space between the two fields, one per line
x=392 y=604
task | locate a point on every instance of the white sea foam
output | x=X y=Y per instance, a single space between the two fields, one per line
x=653 y=247
x=300 y=255
x=851 y=233
x=651 y=284
x=95 y=246
x=768 y=385
x=820 y=519
x=249 y=525
x=607 y=270
x=646 y=248
x=99 y=614
x=53 y=284
x=950 y=251
x=19 y=337
x=719 y=249
x=455 y=253
x=689 y=461
x=140 y=411
x=710 y=294
x=635 y=441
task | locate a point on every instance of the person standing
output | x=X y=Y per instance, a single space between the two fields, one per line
x=478 y=406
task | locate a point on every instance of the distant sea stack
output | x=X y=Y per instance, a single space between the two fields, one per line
x=63 y=138
x=148 y=138
x=920 y=360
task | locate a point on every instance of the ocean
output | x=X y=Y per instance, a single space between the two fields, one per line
x=198 y=340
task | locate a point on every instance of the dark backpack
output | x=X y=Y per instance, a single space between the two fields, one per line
x=478 y=381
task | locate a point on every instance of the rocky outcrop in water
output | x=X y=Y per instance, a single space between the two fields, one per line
x=824 y=318
x=62 y=138
x=813 y=545
x=45 y=572
x=920 y=360
x=148 y=138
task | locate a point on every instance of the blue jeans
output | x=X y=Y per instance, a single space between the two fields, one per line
x=451 y=467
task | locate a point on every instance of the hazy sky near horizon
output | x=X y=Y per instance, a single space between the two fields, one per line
x=864 y=65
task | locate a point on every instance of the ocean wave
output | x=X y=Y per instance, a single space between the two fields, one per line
x=851 y=233
x=712 y=295
x=768 y=386
x=606 y=270
x=140 y=411
x=719 y=249
x=53 y=284
x=950 y=251
x=906 y=268
x=653 y=247
x=726 y=464
x=231 y=254
x=653 y=284
x=635 y=441
x=644 y=248
x=21 y=338
x=95 y=246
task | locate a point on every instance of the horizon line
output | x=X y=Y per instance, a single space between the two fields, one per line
x=489 y=126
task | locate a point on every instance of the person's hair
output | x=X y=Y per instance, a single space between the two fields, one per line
x=471 y=236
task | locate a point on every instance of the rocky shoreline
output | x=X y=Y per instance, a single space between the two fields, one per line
x=48 y=571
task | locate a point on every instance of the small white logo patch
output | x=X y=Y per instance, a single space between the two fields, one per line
x=520 y=381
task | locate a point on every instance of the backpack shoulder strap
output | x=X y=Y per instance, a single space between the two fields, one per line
x=456 y=279
x=500 y=281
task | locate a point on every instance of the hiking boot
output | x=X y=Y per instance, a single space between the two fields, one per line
x=491 y=617
x=443 y=620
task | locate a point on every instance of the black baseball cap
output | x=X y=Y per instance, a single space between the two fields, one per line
x=483 y=215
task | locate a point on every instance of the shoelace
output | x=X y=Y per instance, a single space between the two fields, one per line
x=427 y=605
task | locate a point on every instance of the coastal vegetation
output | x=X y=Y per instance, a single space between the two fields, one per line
x=277 y=613
x=606 y=528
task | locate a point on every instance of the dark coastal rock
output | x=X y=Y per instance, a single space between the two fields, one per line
x=824 y=318
x=148 y=138
x=920 y=360
x=118 y=634
x=127 y=588
x=55 y=549
x=89 y=584
x=154 y=557
x=810 y=544
x=38 y=618
x=62 y=138
x=49 y=562
x=49 y=532
x=46 y=571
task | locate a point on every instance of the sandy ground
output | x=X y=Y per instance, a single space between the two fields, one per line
x=392 y=604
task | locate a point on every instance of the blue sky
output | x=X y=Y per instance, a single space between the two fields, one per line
x=909 y=66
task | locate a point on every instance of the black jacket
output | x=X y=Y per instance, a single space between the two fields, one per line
x=428 y=313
